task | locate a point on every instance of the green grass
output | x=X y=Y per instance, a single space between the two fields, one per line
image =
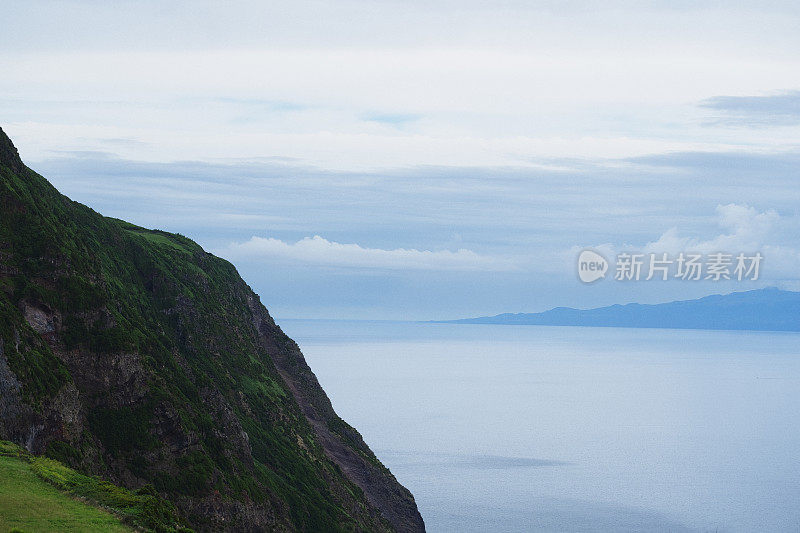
x=40 y=494
x=30 y=504
x=158 y=237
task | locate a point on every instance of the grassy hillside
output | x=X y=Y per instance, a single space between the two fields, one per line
x=40 y=495
x=135 y=355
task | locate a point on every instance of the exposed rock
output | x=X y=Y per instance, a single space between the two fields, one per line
x=17 y=416
x=42 y=319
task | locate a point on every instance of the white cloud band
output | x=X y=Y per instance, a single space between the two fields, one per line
x=320 y=251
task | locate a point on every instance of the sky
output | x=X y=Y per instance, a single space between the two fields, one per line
x=422 y=160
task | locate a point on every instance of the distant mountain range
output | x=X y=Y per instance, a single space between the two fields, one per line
x=768 y=309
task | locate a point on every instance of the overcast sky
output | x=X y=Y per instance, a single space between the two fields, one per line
x=422 y=160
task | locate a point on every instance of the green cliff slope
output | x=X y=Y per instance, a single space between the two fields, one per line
x=38 y=494
x=135 y=355
x=28 y=504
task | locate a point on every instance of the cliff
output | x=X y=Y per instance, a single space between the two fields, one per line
x=135 y=355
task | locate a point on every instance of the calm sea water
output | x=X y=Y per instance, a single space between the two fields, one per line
x=527 y=428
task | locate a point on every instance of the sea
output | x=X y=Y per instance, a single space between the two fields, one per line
x=538 y=428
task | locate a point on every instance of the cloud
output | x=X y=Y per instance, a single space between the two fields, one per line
x=747 y=231
x=739 y=163
x=133 y=143
x=320 y=251
x=756 y=111
x=391 y=119
x=739 y=229
x=498 y=212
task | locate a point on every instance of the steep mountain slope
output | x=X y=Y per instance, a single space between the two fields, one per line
x=135 y=354
x=759 y=310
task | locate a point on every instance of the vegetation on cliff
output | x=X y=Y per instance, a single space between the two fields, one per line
x=40 y=494
x=135 y=355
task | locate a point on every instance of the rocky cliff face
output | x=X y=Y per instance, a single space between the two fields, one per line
x=135 y=354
